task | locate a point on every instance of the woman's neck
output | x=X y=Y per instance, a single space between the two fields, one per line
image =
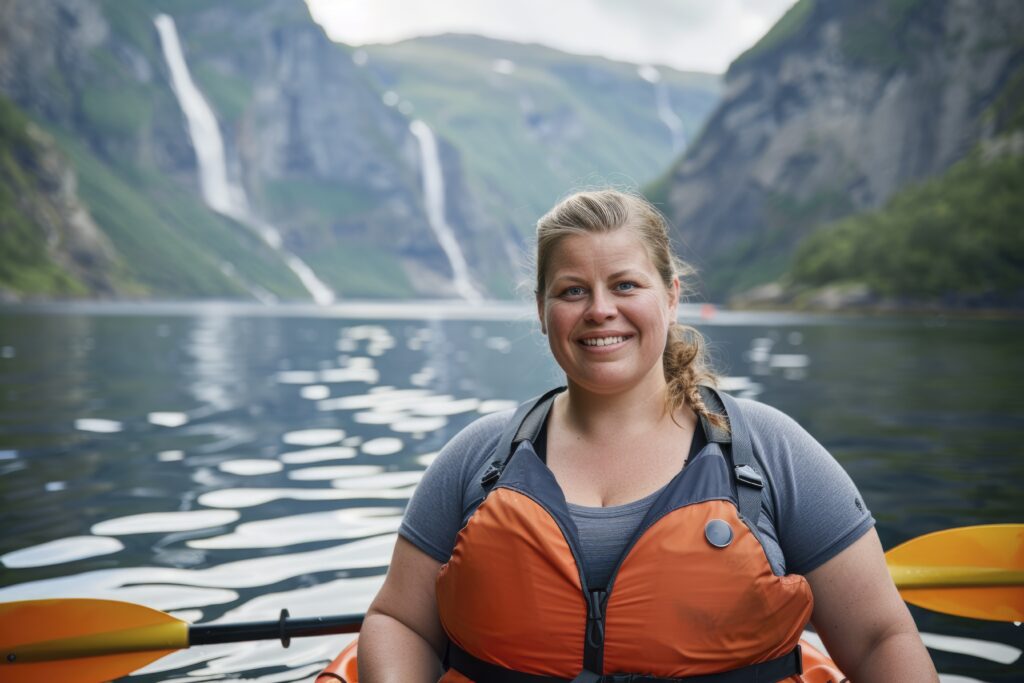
x=591 y=414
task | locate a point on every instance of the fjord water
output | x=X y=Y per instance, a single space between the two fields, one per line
x=224 y=461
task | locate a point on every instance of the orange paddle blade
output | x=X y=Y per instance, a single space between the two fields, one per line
x=82 y=640
x=974 y=571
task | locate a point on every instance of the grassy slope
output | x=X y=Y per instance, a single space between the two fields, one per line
x=26 y=265
x=492 y=118
x=956 y=235
x=170 y=244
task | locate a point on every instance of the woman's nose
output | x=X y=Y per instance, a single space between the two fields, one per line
x=602 y=306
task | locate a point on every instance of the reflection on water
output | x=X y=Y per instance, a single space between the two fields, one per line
x=227 y=462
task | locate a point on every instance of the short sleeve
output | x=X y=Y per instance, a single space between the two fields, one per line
x=434 y=515
x=816 y=508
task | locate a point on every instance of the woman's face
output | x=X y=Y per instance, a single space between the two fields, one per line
x=606 y=311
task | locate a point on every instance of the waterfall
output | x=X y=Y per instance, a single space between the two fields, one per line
x=433 y=195
x=219 y=193
x=667 y=115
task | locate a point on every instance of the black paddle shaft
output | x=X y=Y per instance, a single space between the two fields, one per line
x=283 y=629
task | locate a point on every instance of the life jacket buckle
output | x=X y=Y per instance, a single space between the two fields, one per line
x=491 y=475
x=619 y=678
x=749 y=476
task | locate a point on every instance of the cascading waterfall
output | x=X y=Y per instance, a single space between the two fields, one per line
x=667 y=115
x=219 y=193
x=433 y=194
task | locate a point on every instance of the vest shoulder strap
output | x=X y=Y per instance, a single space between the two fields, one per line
x=735 y=439
x=525 y=425
x=740 y=447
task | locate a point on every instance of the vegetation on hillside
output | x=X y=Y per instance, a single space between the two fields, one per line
x=957 y=237
x=27 y=265
x=788 y=27
x=588 y=120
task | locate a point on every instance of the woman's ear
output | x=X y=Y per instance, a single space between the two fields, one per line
x=673 y=297
x=540 y=313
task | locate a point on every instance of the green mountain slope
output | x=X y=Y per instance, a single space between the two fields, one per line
x=839 y=108
x=957 y=238
x=531 y=123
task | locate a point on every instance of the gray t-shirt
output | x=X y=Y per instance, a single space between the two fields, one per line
x=810 y=509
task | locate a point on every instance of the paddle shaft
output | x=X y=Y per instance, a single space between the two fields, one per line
x=284 y=629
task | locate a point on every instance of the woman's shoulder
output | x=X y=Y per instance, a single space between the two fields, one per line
x=472 y=446
x=482 y=433
x=768 y=424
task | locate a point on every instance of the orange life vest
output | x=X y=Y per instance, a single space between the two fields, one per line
x=693 y=596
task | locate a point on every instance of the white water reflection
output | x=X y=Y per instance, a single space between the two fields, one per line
x=318 y=455
x=97 y=425
x=163 y=522
x=383 y=446
x=250 y=467
x=313 y=437
x=297 y=377
x=496 y=405
x=246 y=498
x=168 y=588
x=386 y=480
x=60 y=551
x=170 y=456
x=167 y=419
x=348 y=523
x=419 y=425
x=315 y=392
x=321 y=473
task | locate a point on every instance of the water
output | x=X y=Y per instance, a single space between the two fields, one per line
x=223 y=462
x=219 y=193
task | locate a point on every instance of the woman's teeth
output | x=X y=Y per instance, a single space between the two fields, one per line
x=603 y=341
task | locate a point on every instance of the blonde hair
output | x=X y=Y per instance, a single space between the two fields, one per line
x=602 y=211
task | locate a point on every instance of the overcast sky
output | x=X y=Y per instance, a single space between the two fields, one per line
x=701 y=35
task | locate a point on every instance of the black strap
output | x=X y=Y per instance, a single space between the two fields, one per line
x=524 y=425
x=476 y=669
x=771 y=671
x=749 y=480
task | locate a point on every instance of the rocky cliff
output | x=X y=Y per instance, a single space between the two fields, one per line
x=306 y=136
x=317 y=147
x=839 y=106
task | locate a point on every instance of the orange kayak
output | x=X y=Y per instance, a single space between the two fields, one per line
x=818 y=668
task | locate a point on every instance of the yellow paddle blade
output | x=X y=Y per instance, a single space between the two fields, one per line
x=82 y=640
x=973 y=571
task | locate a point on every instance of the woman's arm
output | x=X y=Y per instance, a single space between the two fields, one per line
x=402 y=639
x=862 y=620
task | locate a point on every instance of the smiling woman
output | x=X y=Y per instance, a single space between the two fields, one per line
x=638 y=522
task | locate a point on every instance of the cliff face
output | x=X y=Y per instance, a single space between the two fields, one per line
x=321 y=156
x=838 y=107
x=318 y=139
x=306 y=136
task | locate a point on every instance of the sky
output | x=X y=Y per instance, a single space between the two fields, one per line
x=691 y=35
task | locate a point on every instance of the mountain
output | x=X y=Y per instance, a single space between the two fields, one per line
x=294 y=167
x=304 y=136
x=842 y=106
x=532 y=123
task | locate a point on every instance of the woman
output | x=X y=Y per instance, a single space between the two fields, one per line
x=593 y=550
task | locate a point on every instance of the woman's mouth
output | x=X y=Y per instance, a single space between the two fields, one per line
x=603 y=341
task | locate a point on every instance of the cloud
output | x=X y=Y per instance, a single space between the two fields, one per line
x=686 y=34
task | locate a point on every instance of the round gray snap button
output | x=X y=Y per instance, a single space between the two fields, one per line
x=718 y=532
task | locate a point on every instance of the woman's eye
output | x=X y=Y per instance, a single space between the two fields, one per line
x=625 y=286
x=573 y=291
